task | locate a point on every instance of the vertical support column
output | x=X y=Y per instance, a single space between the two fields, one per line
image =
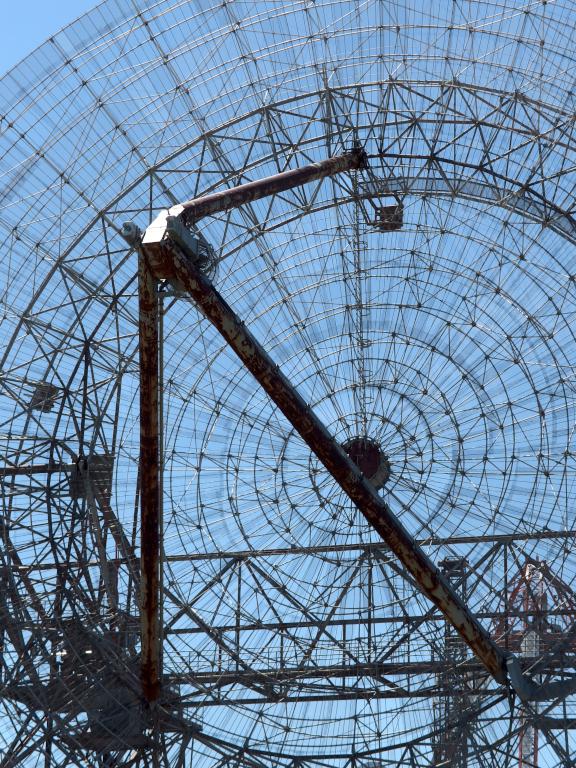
x=149 y=481
x=161 y=553
x=451 y=744
x=534 y=605
x=3 y=620
x=238 y=612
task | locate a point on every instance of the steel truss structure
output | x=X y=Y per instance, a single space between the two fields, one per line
x=420 y=304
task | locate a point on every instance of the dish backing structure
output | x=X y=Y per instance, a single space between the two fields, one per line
x=422 y=304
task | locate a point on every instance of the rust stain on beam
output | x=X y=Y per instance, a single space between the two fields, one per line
x=171 y=262
x=149 y=485
x=194 y=210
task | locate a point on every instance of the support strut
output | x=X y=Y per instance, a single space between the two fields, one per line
x=169 y=260
x=165 y=254
x=149 y=481
x=149 y=274
x=193 y=210
x=169 y=252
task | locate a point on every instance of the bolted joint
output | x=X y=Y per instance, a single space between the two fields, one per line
x=131 y=233
x=360 y=157
x=197 y=249
x=169 y=231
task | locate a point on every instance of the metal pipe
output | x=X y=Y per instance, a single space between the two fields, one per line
x=160 y=412
x=170 y=261
x=194 y=210
x=36 y=469
x=149 y=496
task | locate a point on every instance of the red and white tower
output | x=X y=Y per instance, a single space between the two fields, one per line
x=539 y=609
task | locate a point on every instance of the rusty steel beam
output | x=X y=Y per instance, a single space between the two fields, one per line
x=169 y=261
x=149 y=481
x=194 y=210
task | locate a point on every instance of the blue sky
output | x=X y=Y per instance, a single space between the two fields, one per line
x=24 y=31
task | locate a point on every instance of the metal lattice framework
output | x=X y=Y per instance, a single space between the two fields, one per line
x=422 y=306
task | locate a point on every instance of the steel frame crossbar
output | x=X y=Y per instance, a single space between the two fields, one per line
x=163 y=257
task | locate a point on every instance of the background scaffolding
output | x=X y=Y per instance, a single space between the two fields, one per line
x=425 y=304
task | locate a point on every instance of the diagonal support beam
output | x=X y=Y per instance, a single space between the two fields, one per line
x=168 y=251
x=169 y=261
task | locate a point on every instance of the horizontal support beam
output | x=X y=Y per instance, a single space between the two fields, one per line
x=193 y=210
x=469 y=670
x=36 y=469
x=398 y=621
x=338 y=694
x=250 y=554
x=283 y=552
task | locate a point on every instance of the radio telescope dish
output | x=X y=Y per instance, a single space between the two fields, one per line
x=422 y=306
